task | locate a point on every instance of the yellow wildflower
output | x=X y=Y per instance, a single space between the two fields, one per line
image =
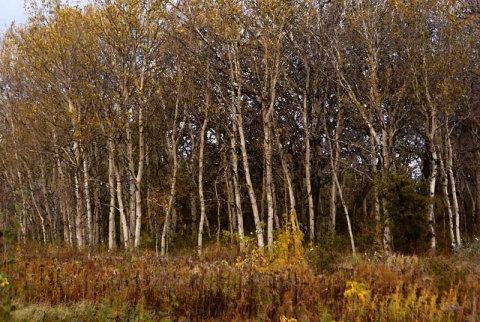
x=3 y=282
x=356 y=288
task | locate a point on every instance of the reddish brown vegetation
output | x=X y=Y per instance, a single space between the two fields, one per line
x=225 y=289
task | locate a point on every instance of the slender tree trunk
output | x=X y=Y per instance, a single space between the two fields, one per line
x=376 y=198
x=288 y=182
x=39 y=213
x=267 y=152
x=473 y=209
x=447 y=204
x=269 y=94
x=453 y=187
x=291 y=193
x=333 y=205
x=334 y=159
x=387 y=143
x=121 y=208
x=131 y=207
x=21 y=213
x=236 y=77
x=308 y=176
x=79 y=229
x=35 y=203
x=334 y=154
x=232 y=216
x=96 y=200
x=57 y=210
x=96 y=214
x=345 y=209
x=236 y=189
x=251 y=191
x=64 y=204
x=125 y=231
x=387 y=234
x=381 y=214
x=430 y=113
x=308 y=152
x=132 y=187
x=46 y=202
x=86 y=186
x=173 y=154
x=275 y=209
x=219 y=206
x=138 y=217
x=193 y=211
x=432 y=180
x=373 y=114
x=200 y=182
x=111 y=189
x=171 y=200
x=79 y=220
x=139 y=177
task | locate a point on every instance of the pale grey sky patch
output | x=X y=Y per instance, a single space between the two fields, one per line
x=11 y=10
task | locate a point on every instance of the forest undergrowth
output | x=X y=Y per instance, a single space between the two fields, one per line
x=290 y=283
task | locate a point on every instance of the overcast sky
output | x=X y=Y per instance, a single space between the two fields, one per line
x=11 y=10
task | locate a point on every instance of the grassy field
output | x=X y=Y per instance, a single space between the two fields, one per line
x=40 y=283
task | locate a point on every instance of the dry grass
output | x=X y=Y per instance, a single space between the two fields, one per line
x=61 y=285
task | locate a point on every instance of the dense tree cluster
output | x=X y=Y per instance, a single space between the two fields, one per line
x=127 y=122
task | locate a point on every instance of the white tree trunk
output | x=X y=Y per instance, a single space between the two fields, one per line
x=430 y=113
x=172 y=141
x=86 y=187
x=251 y=191
x=453 y=188
x=39 y=213
x=79 y=229
x=236 y=189
x=333 y=206
x=432 y=180
x=46 y=202
x=79 y=220
x=121 y=209
x=132 y=187
x=200 y=183
x=334 y=158
x=289 y=184
x=35 y=203
x=171 y=200
x=111 y=214
x=308 y=176
x=138 y=178
x=64 y=206
x=236 y=111
x=345 y=209
x=97 y=239
x=267 y=152
x=447 y=204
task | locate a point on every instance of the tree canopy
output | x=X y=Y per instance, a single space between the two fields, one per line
x=144 y=123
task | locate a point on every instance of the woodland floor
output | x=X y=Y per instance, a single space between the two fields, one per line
x=57 y=284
